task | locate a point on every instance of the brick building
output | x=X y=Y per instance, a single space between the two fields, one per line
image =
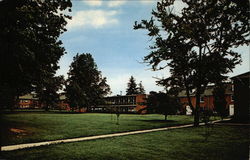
x=28 y=101
x=125 y=103
x=207 y=99
x=63 y=105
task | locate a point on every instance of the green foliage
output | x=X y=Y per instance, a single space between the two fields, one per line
x=29 y=44
x=132 y=87
x=47 y=92
x=85 y=86
x=162 y=103
x=220 y=102
x=141 y=89
x=197 y=43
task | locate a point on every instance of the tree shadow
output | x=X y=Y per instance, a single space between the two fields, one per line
x=158 y=121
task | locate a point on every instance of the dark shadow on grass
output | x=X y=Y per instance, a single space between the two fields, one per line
x=157 y=121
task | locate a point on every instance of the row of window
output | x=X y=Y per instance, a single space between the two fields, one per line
x=121 y=100
x=202 y=98
x=24 y=101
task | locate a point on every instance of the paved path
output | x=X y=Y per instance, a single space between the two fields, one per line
x=30 y=145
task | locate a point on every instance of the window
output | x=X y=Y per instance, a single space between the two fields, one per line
x=201 y=99
x=232 y=98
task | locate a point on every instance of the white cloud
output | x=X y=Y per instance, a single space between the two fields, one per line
x=116 y=3
x=118 y=79
x=93 y=2
x=93 y=19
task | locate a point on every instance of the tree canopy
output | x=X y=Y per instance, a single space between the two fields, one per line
x=47 y=91
x=162 y=103
x=198 y=43
x=85 y=86
x=141 y=89
x=29 y=44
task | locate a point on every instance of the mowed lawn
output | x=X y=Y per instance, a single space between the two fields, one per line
x=214 y=143
x=24 y=127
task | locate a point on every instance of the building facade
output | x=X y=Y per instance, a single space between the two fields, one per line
x=28 y=101
x=242 y=96
x=207 y=99
x=125 y=104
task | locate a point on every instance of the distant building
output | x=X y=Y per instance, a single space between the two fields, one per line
x=242 y=96
x=125 y=103
x=63 y=104
x=207 y=99
x=28 y=101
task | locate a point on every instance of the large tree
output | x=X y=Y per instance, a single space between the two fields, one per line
x=132 y=86
x=197 y=43
x=47 y=91
x=85 y=86
x=162 y=103
x=29 y=44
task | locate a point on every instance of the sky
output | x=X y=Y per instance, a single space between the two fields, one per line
x=104 y=28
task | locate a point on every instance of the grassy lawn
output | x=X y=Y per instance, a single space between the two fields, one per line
x=222 y=143
x=25 y=127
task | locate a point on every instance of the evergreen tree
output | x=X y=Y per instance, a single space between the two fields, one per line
x=85 y=86
x=141 y=89
x=197 y=44
x=132 y=87
x=29 y=45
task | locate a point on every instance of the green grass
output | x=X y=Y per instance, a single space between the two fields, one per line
x=222 y=143
x=42 y=126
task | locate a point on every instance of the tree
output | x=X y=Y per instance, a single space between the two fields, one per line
x=220 y=102
x=132 y=86
x=162 y=103
x=47 y=93
x=29 y=44
x=141 y=89
x=196 y=44
x=85 y=86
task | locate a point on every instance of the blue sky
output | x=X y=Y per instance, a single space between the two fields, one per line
x=105 y=29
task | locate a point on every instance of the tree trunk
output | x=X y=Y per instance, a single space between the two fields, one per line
x=198 y=92
x=117 y=119
x=46 y=108
x=166 y=117
x=188 y=95
x=197 y=111
x=13 y=103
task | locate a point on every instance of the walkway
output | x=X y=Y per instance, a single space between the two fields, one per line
x=30 y=145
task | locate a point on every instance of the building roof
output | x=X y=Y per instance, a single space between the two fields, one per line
x=243 y=75
x=29 y=96
x=133 y=95
x=208 y=92
x=62 y=97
